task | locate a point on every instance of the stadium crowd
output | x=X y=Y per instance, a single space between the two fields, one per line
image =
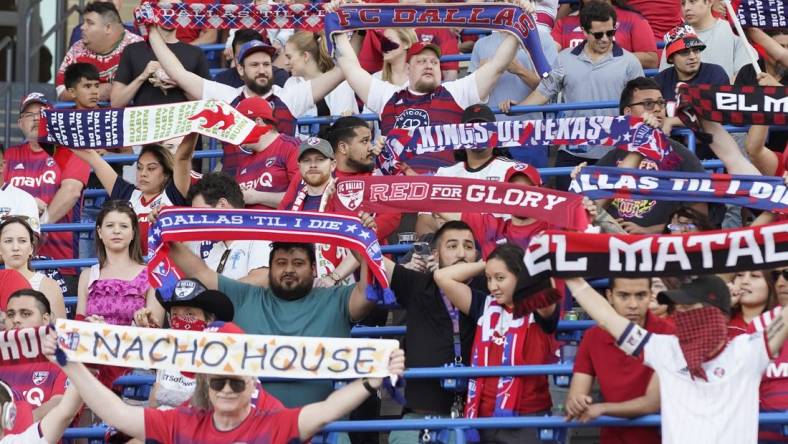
x=705 y=351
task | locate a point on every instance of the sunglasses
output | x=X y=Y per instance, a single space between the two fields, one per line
x=598 y=35
x=777 y=273
x=236 y=385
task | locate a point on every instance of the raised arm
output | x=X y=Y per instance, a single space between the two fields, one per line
x=776 y=332
x=728 y=151
x=314 y=417
x=774 y=49
x=323 y=84
x=452 y=280
x=182 y=168
x=60 y=416
x=189 y=82
x=128 y=419
x=358 y=78
x=104 y=172
x=192 y=266
x=488 y=74
x=597 y=307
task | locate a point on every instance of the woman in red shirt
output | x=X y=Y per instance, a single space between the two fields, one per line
x=757 y=295
x=515 y=328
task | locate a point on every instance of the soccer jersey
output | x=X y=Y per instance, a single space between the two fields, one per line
x=188 y=426
x=774 y=395
x=270 y=170
x=491 y=231
x=36 y=382
x=142 y=207
x=722 y=410
x=106 y=64
x=41 y=175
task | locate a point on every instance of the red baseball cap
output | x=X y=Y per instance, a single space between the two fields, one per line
x=256 y=107
x=523 y=168
x=417 y=48
x=679 y=38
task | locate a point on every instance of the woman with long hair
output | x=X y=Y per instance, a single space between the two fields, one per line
x=18 y=242
x=515 y=328
x=395 y=58
x=757 y=294
x=306 y=57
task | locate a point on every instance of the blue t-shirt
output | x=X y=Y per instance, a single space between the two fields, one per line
x=708 y=73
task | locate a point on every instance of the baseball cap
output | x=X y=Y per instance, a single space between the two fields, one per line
x=478 y=113
x=679 y=38
x=708 y=289
x=33 y=97
x=256 y=107
x=316 y=144
x=193 y=293
x=417 y=48
x=523 y=168
x=252 y=47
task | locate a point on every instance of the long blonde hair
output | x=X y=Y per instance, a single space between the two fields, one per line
x=315 y=44
x=407 y=37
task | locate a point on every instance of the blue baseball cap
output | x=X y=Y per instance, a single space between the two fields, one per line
x=33 y=97
x=252 y=47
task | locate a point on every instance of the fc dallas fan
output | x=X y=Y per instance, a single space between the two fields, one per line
x=265 y=174
x=708 y=385
x=424 y=101
x=255 y=67
x=41 y=384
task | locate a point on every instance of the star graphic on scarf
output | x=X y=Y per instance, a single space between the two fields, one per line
x=621 y=118
x=364 y=234
x=627 y=137
x=157 y=231
x=351 y=228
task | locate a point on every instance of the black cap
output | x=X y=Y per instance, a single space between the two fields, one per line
x=707 y=289
x=478 y=113
x=193 y=293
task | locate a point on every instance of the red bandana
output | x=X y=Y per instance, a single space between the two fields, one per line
x=700 y=332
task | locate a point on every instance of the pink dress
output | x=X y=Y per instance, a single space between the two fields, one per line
x=116 y=299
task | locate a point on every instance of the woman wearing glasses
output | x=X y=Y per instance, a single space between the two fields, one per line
x=18 y=243
x=162 y=179
x=115 y=288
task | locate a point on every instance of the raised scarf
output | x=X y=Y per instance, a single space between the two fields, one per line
x=764 y=14
x=760 y=192
x=497 y=327
x=700 y=332
x=568 y=254
x=733 y=104
x=22 y=345
x=404 y=194
x=624 y=132
x=140 y=125
x=196 y=224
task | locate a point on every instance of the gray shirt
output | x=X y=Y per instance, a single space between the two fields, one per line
x=582 y=80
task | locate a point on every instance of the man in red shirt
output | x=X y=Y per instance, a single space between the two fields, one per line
x=41 y=384
x=272 y=163
x=54 y=176
x=630 y=389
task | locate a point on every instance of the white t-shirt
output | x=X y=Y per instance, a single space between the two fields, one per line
x=17 y=202
x=173 y=388
x=298 y=100
x=31 y=435
x=245 y=256
x=494 y=170
x=464 y=91
x=340 y=100
x=723 y=410
x=723 y=48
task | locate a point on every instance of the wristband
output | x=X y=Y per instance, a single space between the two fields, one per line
x=372 y=390
x=79 y=317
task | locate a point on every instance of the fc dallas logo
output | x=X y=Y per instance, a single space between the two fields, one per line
x=351 y=193
x=40 y=377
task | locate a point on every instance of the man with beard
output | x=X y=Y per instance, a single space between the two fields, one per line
x=265 y=173
x=290 y=306
x=708 y=385
x=254 y=64
x=141 y=79
x=424 y=101
x=683 y=50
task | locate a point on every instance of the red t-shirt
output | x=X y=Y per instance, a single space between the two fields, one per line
x=662 y=15
x=387 y=222
x=10 y=282
x=633 y=32
x=621 y=377
x=490 y=231
x=736 y=326
x=41 y=175
x=187 y=426
x=272 y=169
x=36 y=382
x=535 y=395
x=371 y=56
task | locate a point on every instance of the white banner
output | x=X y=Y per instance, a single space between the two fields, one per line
x=225 y=353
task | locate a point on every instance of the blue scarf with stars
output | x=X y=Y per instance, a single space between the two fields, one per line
x=198 y=224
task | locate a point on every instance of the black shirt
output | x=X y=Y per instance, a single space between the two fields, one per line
x=136 y=57
x=429 y=338
x=778 y=138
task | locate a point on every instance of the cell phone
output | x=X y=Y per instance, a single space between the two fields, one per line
x=422 y=248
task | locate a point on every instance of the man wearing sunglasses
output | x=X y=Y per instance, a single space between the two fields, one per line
x=230 y=417
x=594 y=71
